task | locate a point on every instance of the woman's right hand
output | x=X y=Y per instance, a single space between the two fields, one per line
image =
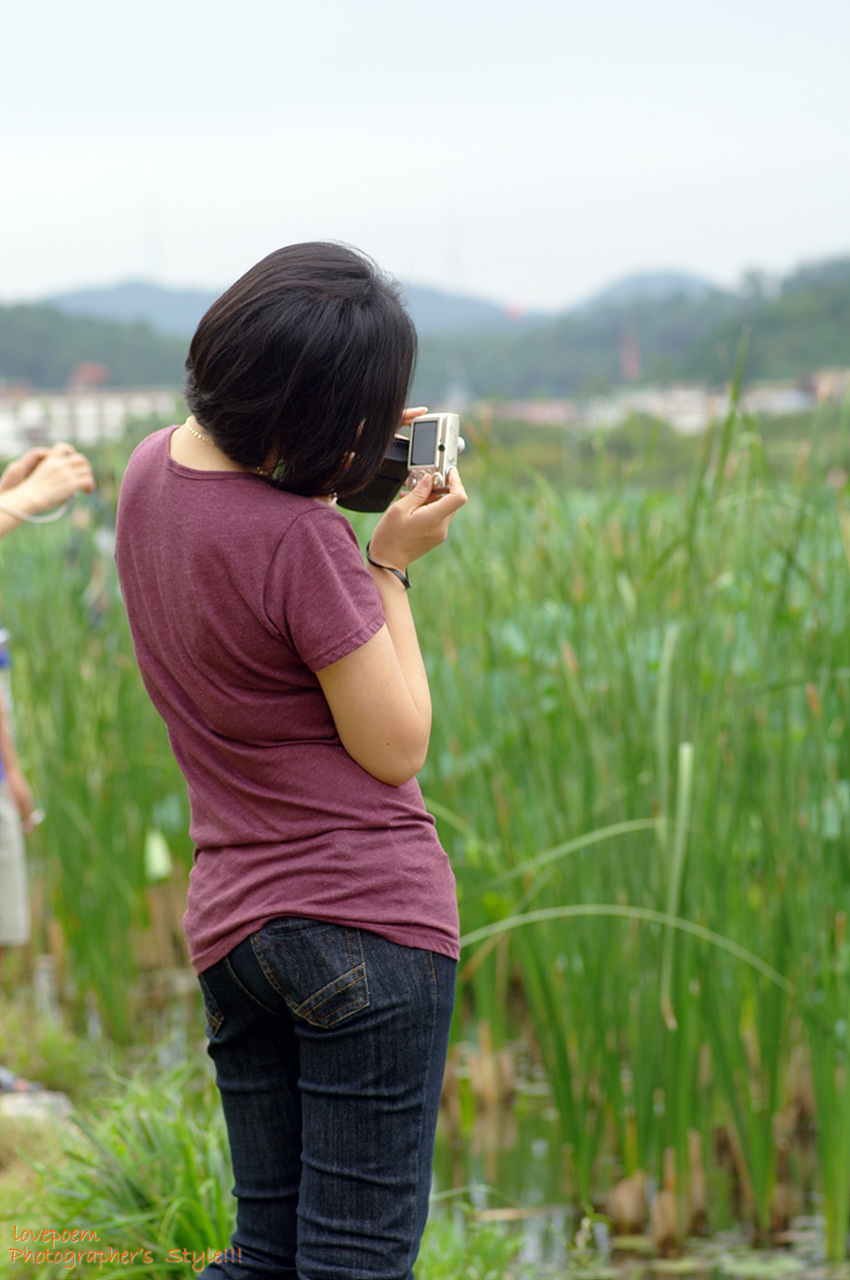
x=416 y=523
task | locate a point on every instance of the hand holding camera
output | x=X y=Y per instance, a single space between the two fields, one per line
x=417 y=522
x=431 y=448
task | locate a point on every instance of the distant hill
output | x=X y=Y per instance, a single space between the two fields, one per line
x=176 y=312
x=647 y=286
x=435 y=312
x=172 y=312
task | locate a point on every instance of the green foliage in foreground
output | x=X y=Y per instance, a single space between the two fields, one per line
x=640 y=766
x=146 y=1179
x=142 y=1189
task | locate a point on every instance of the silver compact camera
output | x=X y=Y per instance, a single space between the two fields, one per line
x=431 y=448
x=435 y=444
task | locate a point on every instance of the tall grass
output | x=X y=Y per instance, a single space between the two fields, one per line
x=674 y=667
x=640 y=766
x=98 y=759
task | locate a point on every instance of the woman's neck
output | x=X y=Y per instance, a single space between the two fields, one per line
x=193 y=447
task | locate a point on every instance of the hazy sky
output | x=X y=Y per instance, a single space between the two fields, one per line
x=528 y=151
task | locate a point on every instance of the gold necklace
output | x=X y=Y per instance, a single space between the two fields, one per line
x=209 y=440
x=199 y=435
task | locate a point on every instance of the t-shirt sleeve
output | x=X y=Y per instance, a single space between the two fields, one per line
x=319 y=594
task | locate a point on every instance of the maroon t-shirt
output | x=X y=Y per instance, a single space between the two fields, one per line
x=237 y=593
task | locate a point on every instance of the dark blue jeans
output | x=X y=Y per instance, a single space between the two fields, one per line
x=329 y=1045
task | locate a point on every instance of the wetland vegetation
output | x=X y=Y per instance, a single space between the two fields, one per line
x=640 y=767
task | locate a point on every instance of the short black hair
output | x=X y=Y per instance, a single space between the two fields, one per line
x=306 y=360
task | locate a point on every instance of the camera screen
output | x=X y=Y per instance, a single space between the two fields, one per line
x=423 y=444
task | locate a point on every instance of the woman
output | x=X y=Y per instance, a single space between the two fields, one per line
x=321 y=915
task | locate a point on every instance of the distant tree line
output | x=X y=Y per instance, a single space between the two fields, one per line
x=799 y=327
x=792 y=329
x=41 y=346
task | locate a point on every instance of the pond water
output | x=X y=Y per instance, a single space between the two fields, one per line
x=504 y=1166
x=507 y=1156
x=505 y=1163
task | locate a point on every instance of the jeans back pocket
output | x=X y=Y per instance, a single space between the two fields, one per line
x=318 y=968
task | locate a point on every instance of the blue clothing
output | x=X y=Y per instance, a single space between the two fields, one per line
x=329 y=1045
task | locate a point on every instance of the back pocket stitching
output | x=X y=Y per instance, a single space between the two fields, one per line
x=356 y=979
x=360 y=999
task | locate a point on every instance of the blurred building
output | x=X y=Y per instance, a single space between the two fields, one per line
x=687 y=408
x=84 y=414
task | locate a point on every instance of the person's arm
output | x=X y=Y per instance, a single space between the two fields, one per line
x=39 y=480
x=18 y=786
x=378 y=694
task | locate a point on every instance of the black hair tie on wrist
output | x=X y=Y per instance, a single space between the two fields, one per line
x=402 y=577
